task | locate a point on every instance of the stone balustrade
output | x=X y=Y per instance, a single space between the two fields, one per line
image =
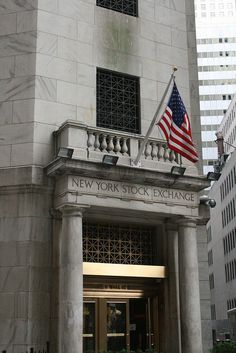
x=94 y=142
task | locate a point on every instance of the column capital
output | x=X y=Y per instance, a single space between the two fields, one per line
x=171 y=224
x=186 y=221
x=72 y=210
x=56 y=214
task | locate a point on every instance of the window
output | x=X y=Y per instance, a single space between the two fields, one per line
x=118 y=244
x=213 y=312
x=128 y=7
x=118 y=101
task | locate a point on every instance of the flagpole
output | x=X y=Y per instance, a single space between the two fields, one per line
x=136 y=161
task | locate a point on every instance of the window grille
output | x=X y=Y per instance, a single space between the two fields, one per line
x=119 y=244
x=128 y=7
x=118 y=101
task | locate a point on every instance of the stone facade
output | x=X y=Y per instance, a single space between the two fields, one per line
x=49 y=52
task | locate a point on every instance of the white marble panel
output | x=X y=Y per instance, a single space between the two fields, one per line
x=43 y=153
x=6 y=67
x=76 y=51
x=24 y=229
x=87 y=116
x=162 y=15
x=147 y=10
x=55 y=24
x=85 y=32
x=148 y=89
x=15 y=44
x=48 y=5
x=15 y=134
x=7 y=24
x=156 y=32
x=40 y=279
x=177 y=57
x=17 y=88
x=9 y=6
x=39 y=306
x=129 y=64
x=45 y=88
x=6 y=305
x=26 y=21
x=5 y=113
x=5 y=156
x=146 y=49
x=43 y=133
x=21 y=305
x=14 y=279
x=46 y=43
x=22 y=154
x=80 y=10
x=23 y=111
x=178 y=38
x=75 y=94
x=25 y=64
x=53 y=113
x=40 y=254
x=14 y=254
x=86 y=75
x=56 y=68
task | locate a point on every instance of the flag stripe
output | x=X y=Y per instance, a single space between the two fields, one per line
x=175 y=125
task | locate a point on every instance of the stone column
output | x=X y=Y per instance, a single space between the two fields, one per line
x=190 y=316
x=173 y=288
x=71 y=282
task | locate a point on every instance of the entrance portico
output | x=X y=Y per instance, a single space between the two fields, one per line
x=168 y=289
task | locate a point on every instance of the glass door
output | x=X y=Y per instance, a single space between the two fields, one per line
x=117 y=326
x=113 y=325
x=89 y=326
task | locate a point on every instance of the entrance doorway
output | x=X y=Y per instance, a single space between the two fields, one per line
x=119 y=324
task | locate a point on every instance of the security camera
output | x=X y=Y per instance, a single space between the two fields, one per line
x=205 y=200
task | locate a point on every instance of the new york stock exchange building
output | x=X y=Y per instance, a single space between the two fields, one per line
x=99 y=254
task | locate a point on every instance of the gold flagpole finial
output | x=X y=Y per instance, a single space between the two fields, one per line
x=175 y=68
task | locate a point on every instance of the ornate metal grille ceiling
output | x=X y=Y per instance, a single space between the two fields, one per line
x=128 y=7
x=113 y=243
x=118 y=101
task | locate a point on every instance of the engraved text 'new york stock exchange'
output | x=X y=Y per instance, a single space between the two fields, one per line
x=130 y=191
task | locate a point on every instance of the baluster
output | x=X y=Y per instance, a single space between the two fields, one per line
x=172 y=156
x=160 y=154
x=148 y=150
x=110 y=147
x=124 y=147
x=103 y=143
x=96 y=142
x=166 y=154
x=154 y=150
x=117 y=147
x=90 y=142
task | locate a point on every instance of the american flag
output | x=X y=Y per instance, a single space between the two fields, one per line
x=176 y=127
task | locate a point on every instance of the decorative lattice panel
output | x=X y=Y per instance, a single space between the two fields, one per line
x=118 y=101
x=128 y=7
x=109 y=243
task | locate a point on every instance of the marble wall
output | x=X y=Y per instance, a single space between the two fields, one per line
x=49 y=51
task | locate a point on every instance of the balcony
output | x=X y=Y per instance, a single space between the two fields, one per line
x=91 y=143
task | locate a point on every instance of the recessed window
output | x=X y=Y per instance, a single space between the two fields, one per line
x=128 y=7
x=118 y=106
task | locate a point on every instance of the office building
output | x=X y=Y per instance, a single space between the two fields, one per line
x=216 y=47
